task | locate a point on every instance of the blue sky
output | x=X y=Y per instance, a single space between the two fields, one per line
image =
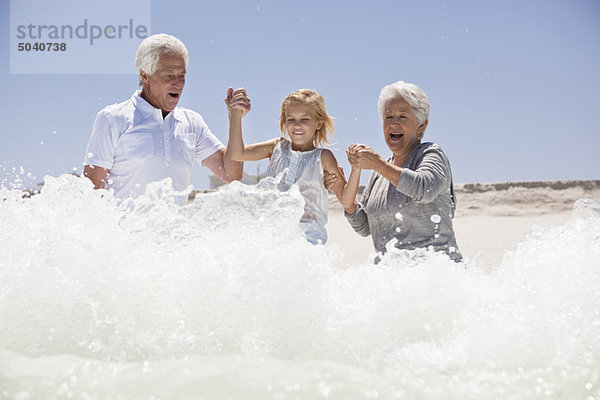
x=514 y=85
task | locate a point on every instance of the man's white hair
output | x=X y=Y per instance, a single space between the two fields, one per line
x=414 y=95
x=146 y=57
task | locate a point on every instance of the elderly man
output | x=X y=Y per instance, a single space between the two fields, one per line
x=148 y=138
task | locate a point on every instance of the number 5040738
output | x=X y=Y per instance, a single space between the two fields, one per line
x=41 y=46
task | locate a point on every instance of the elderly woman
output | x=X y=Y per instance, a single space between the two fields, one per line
x=410 y=197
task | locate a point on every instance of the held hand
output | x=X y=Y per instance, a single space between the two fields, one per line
x=361 y=156
x=329 y=179
x=355 y=148
x=237 y=101
x=352 y=152
x=351 y=156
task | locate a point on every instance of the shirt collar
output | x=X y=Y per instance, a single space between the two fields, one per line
x=146 y=108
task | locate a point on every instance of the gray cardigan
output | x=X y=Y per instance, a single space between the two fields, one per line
x=418 y=212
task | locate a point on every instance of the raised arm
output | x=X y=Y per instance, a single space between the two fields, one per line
x=423 y=185
x=344 y=191
x=431 y=177
x=237 y=149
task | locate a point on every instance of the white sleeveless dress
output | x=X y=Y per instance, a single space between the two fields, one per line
x=304 y=169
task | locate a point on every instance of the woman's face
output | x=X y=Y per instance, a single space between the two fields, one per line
x=400 y=126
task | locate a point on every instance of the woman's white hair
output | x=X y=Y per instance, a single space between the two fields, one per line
x=146 y=57
x=414 y=95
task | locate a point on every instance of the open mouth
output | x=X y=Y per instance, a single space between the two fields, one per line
x=174 y=95
x=297 y=133
x=396 y=136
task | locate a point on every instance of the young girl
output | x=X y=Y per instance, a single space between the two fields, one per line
x=297 y=156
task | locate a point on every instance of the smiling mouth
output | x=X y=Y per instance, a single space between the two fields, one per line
x=396 y=136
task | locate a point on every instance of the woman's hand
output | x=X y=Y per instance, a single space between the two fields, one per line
x=361 y=156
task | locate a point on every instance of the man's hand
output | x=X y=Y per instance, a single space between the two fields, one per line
x=237 y=100
x=96 y=174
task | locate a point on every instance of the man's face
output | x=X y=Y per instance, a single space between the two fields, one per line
x=163 y=88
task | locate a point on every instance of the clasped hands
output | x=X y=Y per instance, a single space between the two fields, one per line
x=360 y=156
x=237 y=100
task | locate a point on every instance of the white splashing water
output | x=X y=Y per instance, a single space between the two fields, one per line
x=223 y=299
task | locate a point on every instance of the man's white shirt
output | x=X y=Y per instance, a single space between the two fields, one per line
x=133 y=141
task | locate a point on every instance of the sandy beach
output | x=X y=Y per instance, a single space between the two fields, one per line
x=491 y=218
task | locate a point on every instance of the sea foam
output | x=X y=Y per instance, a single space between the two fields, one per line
x=224 y=299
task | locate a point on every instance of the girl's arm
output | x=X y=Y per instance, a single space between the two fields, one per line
x=236 y=148
x=344 y=191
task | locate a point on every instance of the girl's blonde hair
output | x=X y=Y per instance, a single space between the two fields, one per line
x=313 y=99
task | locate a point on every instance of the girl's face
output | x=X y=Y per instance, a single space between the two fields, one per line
x=301 y=126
